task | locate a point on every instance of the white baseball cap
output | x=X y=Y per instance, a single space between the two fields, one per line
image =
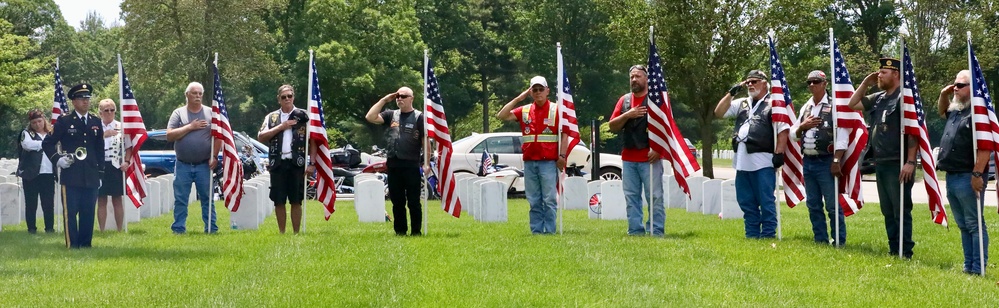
x=539 y=80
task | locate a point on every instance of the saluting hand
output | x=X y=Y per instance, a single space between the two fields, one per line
x=871 y=79
x=948 y=90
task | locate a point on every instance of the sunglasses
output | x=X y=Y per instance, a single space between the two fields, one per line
x=814 y=82
x=108 y=110
x=537 y=89
x=287 y=96
x=753 y=82
x=960 y=85
x=403 y=96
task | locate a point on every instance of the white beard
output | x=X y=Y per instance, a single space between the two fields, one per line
x=957 y=105
x=753 y=93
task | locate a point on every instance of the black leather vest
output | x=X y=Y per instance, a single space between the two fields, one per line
x=823 y=143
x=635 y=132
x=956 y=149
x=298 y=135
x=403 y=136
x=886 y=126
x=29 y=163
x=761 y=127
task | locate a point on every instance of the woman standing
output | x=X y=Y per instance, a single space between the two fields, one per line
x=35 y=171
x=112 y=181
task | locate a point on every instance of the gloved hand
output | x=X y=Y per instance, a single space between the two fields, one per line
x=65 y=162
x=735 y=89
x=778 y=161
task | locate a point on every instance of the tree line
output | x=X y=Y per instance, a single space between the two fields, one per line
x=484 y=53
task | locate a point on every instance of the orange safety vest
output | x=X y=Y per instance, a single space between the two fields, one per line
x=539 y=140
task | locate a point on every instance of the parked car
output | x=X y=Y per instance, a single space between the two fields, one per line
x=506 y=148
x=159 y=158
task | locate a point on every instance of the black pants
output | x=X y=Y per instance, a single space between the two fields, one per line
x=888 y=193
x=41 y=187
x=404 y=184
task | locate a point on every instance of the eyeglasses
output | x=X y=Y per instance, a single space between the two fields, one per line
x=108 y=110
x=960 y=85
x=403 y=96
x=753 y=82
x=537 y=89
x=814 y=82
x=287 y=96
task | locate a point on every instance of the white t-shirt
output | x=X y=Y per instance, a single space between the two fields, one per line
x=36 y=145
x=842 y=134
x=286 y=139
x=745 y=161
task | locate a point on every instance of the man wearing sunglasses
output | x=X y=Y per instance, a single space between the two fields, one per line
x=884 y=111
x=284 y=131
x=821 y=162
x=544 y=151
x=757 y=154
x=405 y=148
x=964 y=168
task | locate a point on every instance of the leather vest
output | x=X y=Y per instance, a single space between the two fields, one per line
x=886 y=126
x=298 y=138
x=29 y=163
x=822 y=142
x=635 y=132
x=761 y=127
x=403 y=136
x=956 y=148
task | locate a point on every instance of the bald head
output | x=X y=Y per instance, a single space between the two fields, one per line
x=404 y=98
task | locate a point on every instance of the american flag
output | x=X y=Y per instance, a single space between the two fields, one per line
x=232 y=166
x=850 y=199
x=986 y=125
x=134 y=131
x=914 y=123
x=783 y=118
x=437 y=130
x=59 y=106
x=325 y=186
x=664 y=136
x=487 y=163
x=570 y=125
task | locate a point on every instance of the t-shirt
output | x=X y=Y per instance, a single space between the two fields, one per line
x=196 y=145
x=632 y=155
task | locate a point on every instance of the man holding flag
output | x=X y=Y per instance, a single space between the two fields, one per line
x=284 y=131
x=884 y=111
x=964 y=168
x=629 y=121
x=756 y=154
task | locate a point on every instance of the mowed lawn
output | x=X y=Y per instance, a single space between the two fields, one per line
x=703 y=261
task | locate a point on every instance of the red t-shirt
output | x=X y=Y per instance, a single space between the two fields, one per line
x=539 y=122
x=631 y=155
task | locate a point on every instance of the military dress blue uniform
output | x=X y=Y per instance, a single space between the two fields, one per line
x=80 y=180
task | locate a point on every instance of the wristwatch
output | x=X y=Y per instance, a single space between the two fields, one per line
x=976 y=174
x=561 y=155
x=911 y=162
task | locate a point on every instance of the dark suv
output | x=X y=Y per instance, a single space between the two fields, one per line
x=159 y=158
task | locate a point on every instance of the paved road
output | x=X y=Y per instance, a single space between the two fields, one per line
x=870 y=189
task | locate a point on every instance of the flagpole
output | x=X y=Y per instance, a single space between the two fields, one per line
x=777 y=172
x=835 y=129
x=902 y=150
x=426 y=147
x=649 y=191
x=121 y=114
x=58 y=178
x=211 y=171
x=980 y=197
x=558 y=134
x=308 y=140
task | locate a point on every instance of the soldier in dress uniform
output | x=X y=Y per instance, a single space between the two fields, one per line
x=79 y=136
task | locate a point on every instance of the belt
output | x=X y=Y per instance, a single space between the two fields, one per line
x=818 y=156
x=195 y=163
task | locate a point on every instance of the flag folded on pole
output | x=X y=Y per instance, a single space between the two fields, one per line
x=664 y=136
x=914 y=124
x=850 y=197
x=134 y=133
x=438 y=131
x=783 y=116
x=59 y=106
x=232 y=166
x=984 y=115
x=325 y=186
x=570 y=124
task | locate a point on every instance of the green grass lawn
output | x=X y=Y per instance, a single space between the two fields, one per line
x=703 y=261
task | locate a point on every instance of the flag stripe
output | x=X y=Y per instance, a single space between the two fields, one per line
x=134 y=135
x=232 y=166
x=851 y=199
x=437 y=130
x=783 y=115
x=664 y=135
x=914 y=124
x=325 y=184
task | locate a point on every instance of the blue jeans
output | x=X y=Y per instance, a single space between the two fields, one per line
x=819 y=185
x=184 y=175
x=754 y=190
x=965 y=206
x=540 y=177
x=636 y=180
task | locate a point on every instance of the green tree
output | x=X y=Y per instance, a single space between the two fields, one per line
x=23 y=83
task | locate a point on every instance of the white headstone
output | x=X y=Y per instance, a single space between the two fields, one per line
x=245 y=217
x=463 y=189
x=729 y=204
x=369 y=200
x=711 y=204
x=493 y=202
x=475 y=194
x=10 y=210
x=696 y=185
x=612 y=202
x=364 y=177
x=674 y=195
x=593 y=199
x=151 y=204
x=575 y=192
